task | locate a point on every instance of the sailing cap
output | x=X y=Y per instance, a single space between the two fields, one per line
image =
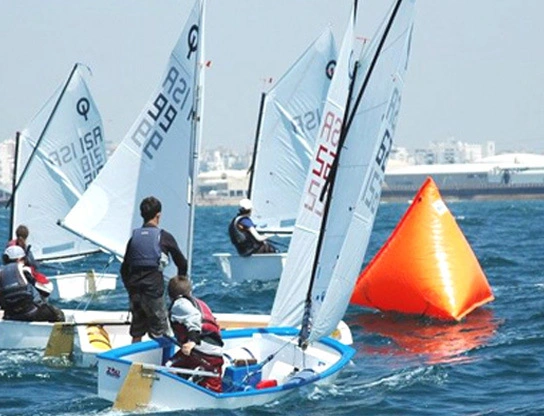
x=246 y=204
x=15 y=252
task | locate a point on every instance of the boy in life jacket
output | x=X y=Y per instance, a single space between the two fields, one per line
x=21 y=236
x=244 y=235
x=197 y=332
x=19 y=297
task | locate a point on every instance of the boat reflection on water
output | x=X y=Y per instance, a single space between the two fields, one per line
x=433 y=341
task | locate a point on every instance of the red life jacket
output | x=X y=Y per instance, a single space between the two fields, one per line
x=210 y=332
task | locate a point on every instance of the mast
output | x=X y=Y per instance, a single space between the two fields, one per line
x=329 y=184
x=14 y=178
x=42 y=134
x=256 y=144
x=198 y=104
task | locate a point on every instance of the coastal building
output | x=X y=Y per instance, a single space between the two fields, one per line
x=512 y=175
x=222 y=187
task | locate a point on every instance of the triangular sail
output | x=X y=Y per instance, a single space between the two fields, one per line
x=289 y=301
x=59 y=153
x=156 y=157
x=290 y=120
x=356 y=190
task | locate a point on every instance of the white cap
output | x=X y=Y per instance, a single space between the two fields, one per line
x=246 y=204
x=15 y=252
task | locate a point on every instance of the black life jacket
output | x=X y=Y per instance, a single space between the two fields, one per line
x=16 y=293
x=242 y=239
x=145 y=249
x=210 y=332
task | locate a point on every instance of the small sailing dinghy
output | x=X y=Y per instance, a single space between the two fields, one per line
x=158 y=156
x=57 y=156
x=289 y=117
x=295 y=350
x=426 y=267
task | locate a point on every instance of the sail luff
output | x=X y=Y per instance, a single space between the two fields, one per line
x=197 y=131
x=42 y=134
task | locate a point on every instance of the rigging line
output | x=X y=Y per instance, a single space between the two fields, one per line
x=305 y=327
x=94 y=295
x=269 y=358
x=304 y=331
x=372 y=64
x=251 y=169
x=350 y=116
x=42 y=134
x=334 y=167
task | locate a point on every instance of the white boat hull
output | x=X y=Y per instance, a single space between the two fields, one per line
x=76 y=285
x=34 y=335
x=262 y=267
x=322 y=360
x=89 y=341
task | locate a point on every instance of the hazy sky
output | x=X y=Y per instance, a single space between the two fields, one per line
x=476 y=70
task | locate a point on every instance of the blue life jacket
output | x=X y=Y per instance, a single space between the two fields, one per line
x=16 y=293
x=145 y=249
x=242 y=239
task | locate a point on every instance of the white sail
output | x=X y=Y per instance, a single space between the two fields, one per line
x=154 y=158
x=289 y=301
x=361 y=168
x=59 y=153
x=290 y=120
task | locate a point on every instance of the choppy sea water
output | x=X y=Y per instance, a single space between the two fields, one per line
x=490 y=364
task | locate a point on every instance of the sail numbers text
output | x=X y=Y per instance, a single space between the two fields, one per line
x=88 y=151
x=377 y=174
x=324 y=157
x=307 y=122
x=157 y=120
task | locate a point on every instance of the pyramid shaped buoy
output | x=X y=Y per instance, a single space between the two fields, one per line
x=426 y=267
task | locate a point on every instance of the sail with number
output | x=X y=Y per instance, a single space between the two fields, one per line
x=156 y=157
x=290 y=119
x=289 y=301
x=58 y=155
x=361 y=165
x=338 y=229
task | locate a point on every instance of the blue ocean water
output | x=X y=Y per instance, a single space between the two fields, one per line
x=490 y=364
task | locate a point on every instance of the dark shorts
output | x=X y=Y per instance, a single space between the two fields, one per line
x=148 y=315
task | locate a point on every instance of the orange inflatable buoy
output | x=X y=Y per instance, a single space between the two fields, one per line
x=426 y=267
